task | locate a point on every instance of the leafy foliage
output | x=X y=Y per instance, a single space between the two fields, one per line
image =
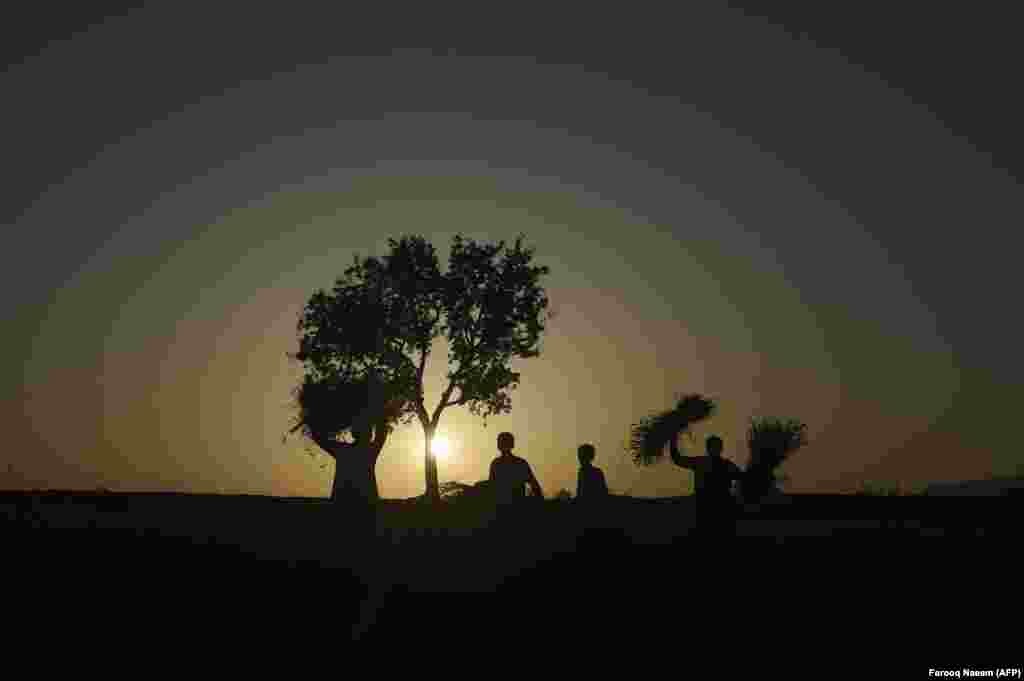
x=378 y=313
x=650 y=437
x=494 y=308
x=355 y=343
x=381 y=319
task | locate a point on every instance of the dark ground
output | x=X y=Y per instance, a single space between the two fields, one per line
x=551 y=571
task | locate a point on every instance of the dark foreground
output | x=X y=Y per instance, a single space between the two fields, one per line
x=555 y=568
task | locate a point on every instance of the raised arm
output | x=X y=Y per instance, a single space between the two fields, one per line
x=680 y=460
x=323 y=442
x=335 y=448
x=534 y=485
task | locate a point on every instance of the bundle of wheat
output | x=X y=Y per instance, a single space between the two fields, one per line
x=771 y=441
x=652 y=434
x=331 y=406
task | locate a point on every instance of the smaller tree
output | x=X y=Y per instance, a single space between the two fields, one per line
x=771 y=442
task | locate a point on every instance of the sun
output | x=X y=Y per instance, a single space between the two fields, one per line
x=441 y=447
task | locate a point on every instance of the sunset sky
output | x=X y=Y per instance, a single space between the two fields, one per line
x=727 y=206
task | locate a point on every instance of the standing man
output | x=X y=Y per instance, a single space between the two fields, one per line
x=713 y=480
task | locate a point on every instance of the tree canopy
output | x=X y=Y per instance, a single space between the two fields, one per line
x=384 y=313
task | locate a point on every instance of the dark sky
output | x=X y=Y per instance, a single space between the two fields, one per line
x=811 y=215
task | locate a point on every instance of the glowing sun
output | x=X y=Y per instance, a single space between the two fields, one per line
x=441 y=447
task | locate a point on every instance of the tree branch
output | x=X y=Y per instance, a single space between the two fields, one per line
x=421 y=412
x=460 y=401
x=443 y=403
x=380 y=436
x=421 y=409
x=422 y=367
x=469 y=356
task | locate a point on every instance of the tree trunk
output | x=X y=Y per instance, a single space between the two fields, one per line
x=433 y=491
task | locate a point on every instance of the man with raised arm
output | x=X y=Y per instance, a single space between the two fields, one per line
x=713 y=479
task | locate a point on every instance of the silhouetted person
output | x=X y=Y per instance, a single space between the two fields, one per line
x=511 y=474
x=347 y=485
x=590 y=482
x=713 y=479
x=509 y=477
x=354 y=491
x=591 y=504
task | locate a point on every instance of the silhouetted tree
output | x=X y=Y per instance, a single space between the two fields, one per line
x=771 y=442
x=384 y=314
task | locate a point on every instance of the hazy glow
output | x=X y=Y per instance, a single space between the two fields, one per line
x=793 y=251
x=441 y=447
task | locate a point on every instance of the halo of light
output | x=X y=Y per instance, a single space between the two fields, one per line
x=441 y=447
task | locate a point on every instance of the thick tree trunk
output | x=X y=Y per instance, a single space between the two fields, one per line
x=433 y=488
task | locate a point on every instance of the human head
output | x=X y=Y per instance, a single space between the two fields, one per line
x=585 y=453
x=506 y=441
x=713 y=445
